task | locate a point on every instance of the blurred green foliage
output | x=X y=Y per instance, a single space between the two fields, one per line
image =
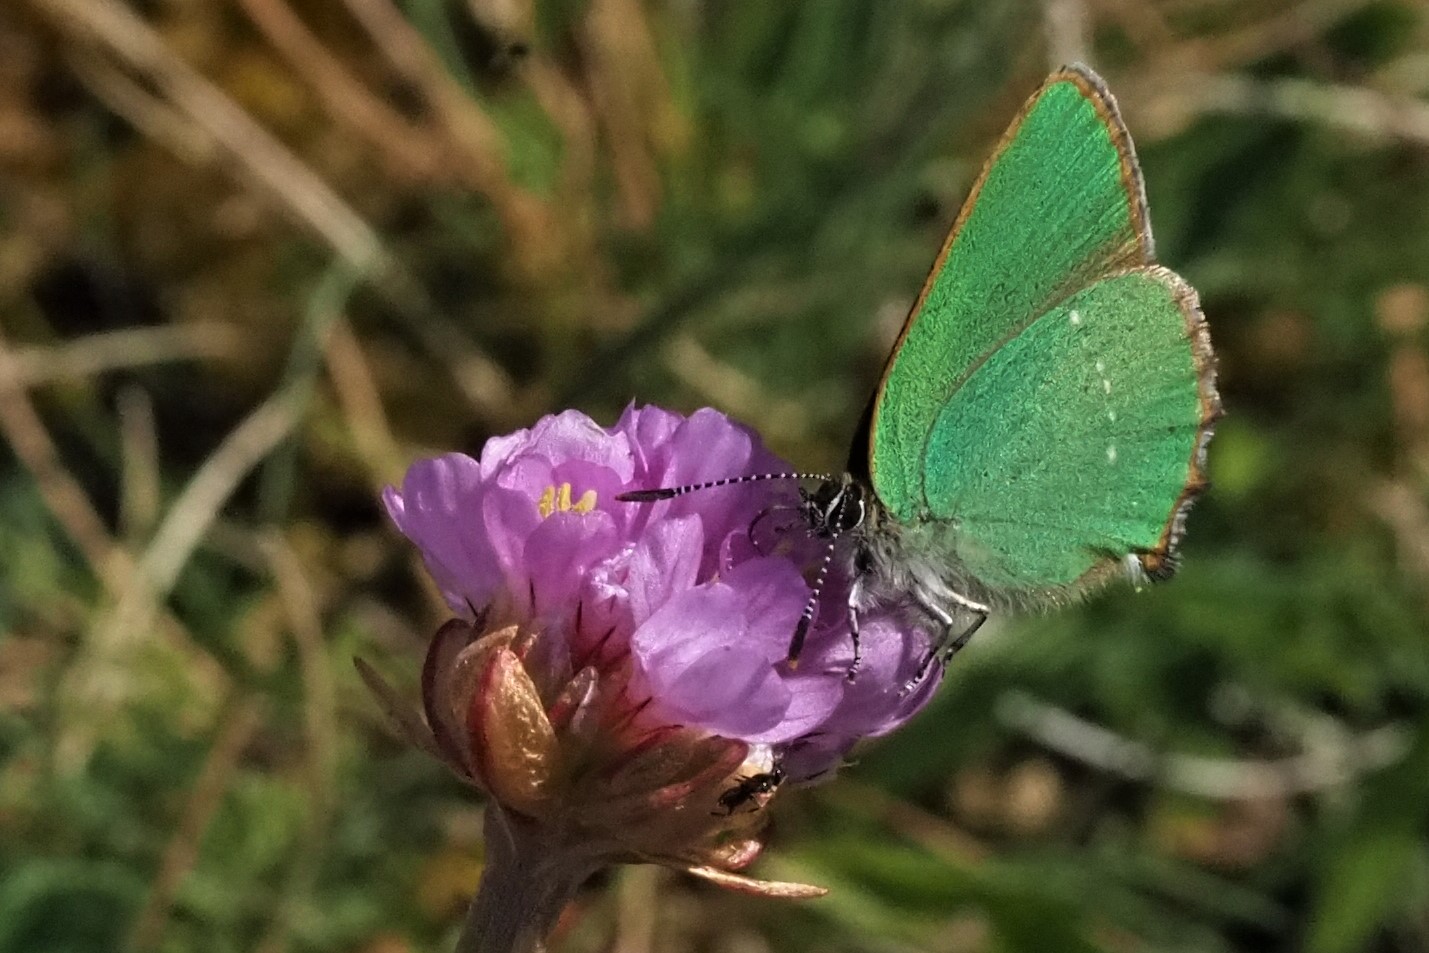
x=682 y=203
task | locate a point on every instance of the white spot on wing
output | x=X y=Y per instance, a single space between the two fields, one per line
x=1111 y=455
x=1075 y=317
x=1111 y=415
x=1106 y=381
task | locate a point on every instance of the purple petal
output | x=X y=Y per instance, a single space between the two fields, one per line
x=648 y=430
x=572 y=436
x=773 y=593
x=812 y=699
x=813 y=757
x=693 y=658
x=508 y=517
x=665 y=562
x=435 y=509
x=557 y=555
x=875 y=704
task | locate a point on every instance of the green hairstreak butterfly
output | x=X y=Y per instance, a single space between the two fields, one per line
x=1041 y=425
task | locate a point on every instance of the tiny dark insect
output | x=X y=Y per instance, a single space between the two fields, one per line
x=756 y=789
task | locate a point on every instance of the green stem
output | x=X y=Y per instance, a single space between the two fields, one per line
x=525 y=885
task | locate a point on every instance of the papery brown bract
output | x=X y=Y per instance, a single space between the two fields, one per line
x=571 y=756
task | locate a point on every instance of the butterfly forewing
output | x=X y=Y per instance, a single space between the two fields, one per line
x=1058 y=205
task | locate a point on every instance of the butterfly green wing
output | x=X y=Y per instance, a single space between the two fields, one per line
x=1079 y=441
x=1059 y=203
x=1046 y=409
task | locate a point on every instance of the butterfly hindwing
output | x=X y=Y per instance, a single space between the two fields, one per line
x=1079 y=441
x=1059 y=204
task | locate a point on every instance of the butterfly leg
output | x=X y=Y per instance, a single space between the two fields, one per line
x=948 y=645
x=955 y=646
x=862 y=566
x=944 y=620
x=855 y=593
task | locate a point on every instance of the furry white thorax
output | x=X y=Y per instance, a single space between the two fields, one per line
x=913 y=567
x=910 y=568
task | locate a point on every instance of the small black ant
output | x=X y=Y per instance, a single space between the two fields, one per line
x=756 y=788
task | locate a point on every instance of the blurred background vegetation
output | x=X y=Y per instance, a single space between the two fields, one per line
x=257 y=255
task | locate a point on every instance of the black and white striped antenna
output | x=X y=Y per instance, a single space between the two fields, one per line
x=670 y=492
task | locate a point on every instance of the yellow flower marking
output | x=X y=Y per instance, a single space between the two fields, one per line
x=558 y=500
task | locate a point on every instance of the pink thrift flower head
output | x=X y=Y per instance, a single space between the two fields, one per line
x=616 y=679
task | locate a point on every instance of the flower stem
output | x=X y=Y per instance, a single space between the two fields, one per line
x=525 y=885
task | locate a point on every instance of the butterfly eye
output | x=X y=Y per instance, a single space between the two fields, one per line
x=848 y=511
